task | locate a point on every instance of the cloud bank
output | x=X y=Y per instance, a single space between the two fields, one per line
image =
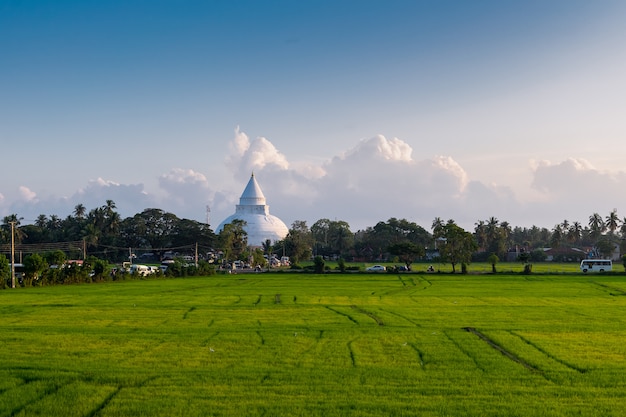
x=375 y=180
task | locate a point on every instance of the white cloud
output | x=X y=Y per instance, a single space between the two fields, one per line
x=574 y=189
x=26 y=194
x=380 y=147
x=572 y=177
x=375 y=180
x=184 y=188
x=247 y=156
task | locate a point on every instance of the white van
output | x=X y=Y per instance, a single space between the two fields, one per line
x=596 y=265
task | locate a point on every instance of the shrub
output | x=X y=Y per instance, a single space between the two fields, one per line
x=341 y=264
x=318 y=262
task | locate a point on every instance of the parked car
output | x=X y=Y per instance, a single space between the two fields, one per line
x=376 y=268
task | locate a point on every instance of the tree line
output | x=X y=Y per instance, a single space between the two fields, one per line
x=109 y=237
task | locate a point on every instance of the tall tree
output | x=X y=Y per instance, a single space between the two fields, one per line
x=233 y=239
x=612 y=222
x=298 y=242
x=596 y=226
x=79 y=211
x=458 y=245
x=575 y=233
x=18 y=234
x=407 y=252
x=437 y=226
x=340 y=237
x=319 y=232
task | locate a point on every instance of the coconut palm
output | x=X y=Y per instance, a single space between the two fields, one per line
x=612 y=221
x=79 y=211
x=596 y=226
x=575 y=232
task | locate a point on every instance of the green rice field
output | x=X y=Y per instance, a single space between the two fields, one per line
x=318 y=345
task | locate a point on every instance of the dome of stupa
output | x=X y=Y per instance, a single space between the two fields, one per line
x=253 y=209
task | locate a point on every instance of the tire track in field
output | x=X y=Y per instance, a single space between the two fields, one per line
x=192 y=308
x=258 y=300
x=369 y=314
x=465 y=352
x=260 y=337
x=608 y=288
x=549 y=355
x=393 y=313
x=98 y=409
x=352 y=356
x=50 y=391
x=349 y=317
x=428 y=283
x=104 y=403
x=206 y=341
x=420 y=355
x=502 y=350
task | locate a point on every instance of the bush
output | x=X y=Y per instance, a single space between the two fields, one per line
x=341 y=264
x=318 y=263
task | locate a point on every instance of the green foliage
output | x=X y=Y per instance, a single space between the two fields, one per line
x=458 y=245
x=538 y=255
x=331 y=237
x=318 y=263
x=5 y=271
x=375 y=241
x=298 y=242
x=605 y=247
x=57 y=257
x=493 y=260
x=257 y=258
x=34 y=266
x=233 y=239
x=341 y=265
x=407 y=252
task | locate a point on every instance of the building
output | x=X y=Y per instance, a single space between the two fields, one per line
x=260 y=224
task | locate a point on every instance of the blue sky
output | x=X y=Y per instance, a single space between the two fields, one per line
x=343 y=109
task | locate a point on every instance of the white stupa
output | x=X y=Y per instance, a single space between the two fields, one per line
x=260 y=224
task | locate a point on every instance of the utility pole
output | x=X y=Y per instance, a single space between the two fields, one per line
x=208 y=215
x=12 y=254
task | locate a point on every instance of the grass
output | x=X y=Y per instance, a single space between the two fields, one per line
x=317 y=345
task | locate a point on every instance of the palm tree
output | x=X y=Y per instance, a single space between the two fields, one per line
x=575 y=232
x=557 y=236
x=596 y=225
x=41 y=221
x=612 y=221
x=19 y=235
x=480 y=232
x=437 y=227
x=79 y=211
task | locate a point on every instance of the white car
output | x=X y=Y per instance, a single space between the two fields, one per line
x=376 y=268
